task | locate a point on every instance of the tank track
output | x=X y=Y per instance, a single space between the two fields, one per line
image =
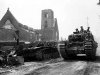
x=47 y=53
x=90 y=50
x=63 y=52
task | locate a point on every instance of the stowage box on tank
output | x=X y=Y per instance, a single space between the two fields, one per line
x=80 y=42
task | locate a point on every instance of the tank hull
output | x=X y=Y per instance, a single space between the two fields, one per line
x=67 y=53
x=39 y=54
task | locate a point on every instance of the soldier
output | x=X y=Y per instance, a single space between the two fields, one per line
x=88 y=30
x=77 y=30
x=81 y=29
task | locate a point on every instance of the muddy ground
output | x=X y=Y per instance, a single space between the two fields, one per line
x=78 y=66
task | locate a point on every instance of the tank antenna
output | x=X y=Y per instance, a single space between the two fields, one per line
x=87 y=22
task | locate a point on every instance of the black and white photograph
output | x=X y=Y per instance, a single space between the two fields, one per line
x=49 y=37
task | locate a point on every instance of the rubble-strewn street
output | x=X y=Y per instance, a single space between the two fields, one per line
x=55 y=67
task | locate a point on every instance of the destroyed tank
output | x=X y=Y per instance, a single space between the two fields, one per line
x=40 y=51
x=80 y=42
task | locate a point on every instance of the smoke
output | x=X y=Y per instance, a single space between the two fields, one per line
x=98 y=48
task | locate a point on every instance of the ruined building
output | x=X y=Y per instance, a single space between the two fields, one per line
x=48 y=32
x=8 y=27
x=49 y=26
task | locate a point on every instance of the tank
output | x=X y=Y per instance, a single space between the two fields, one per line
x=80 y=42
x=39 y=51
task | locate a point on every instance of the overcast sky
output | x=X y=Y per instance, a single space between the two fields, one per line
x=71 y=14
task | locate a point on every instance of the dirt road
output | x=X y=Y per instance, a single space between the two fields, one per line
x=74 y=67
x=62 y=68
x=68 y=68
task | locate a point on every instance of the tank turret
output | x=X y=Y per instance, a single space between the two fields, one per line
x=82 y=29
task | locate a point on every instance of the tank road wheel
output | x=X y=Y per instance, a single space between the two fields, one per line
x=90 y=52
x=63 y=52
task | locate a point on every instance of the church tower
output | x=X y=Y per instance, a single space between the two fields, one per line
x=47 y=19
x=49 y=26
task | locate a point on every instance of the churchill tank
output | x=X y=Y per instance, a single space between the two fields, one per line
x=80 y=42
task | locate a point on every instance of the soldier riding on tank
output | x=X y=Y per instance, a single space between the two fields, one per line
x=82 y=30
x=88 y=30
x=77 y=31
